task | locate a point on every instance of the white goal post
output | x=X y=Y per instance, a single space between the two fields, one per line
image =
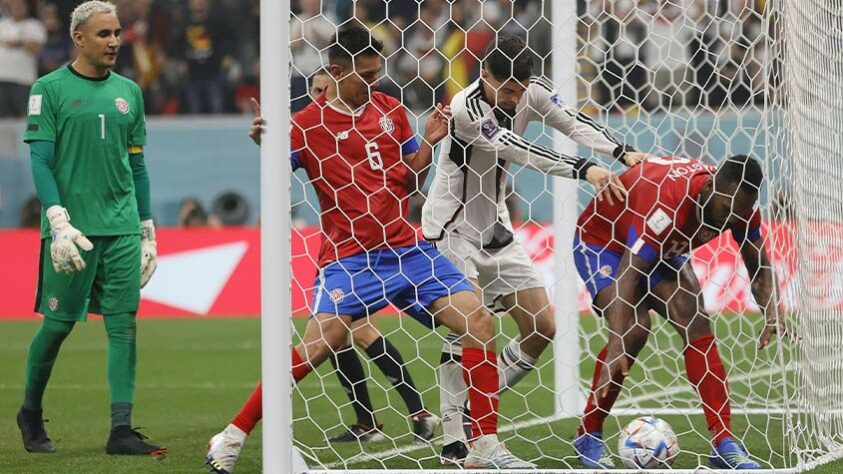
x=763 y=79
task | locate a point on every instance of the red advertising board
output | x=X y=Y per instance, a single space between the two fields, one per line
x=216 y=273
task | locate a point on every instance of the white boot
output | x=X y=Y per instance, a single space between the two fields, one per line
x=486 y=452
x=224 y=449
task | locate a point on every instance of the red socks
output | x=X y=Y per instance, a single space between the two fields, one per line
x=707 y=375
x=597 y=409
x=252 y=410
x=480 y=372
x=251 y=413
x=300 y=367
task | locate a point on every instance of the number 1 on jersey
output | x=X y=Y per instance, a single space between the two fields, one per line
x=102 y=125
x=374 y=156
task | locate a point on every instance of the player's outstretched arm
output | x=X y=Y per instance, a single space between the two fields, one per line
x=620 y=316
x=764 y=288
x=582 y=129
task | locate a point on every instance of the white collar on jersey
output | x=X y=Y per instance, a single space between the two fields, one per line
x=355 y=113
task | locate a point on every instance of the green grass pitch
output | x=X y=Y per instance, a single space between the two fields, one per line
x=194 y=374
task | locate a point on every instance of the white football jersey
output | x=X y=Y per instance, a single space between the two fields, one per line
x=467 y=195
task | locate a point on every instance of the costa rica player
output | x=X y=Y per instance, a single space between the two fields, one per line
x=673 y=205
x=361 y=155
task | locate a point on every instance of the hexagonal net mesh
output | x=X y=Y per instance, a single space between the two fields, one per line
x=627 y=187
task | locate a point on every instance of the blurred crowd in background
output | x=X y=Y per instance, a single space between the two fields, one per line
x=202 y=56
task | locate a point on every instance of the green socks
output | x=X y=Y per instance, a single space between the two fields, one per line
x=121 y=329
x=42 y=355
x=121 y=414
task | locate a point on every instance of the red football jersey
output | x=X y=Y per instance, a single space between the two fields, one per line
x=659 y=218
x=354 y=161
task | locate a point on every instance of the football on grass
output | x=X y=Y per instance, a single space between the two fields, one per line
x=648 y=443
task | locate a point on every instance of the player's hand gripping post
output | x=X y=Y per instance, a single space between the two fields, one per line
x=606 y=184
x=258 y=123
x=66 y=242
x=149 y=251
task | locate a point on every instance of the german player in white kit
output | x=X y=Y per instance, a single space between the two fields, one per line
x=466 y=217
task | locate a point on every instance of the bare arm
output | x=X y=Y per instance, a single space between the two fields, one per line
x=763 y=288
x=620 y=316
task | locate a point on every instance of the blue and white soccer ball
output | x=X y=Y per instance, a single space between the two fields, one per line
x=648 y=443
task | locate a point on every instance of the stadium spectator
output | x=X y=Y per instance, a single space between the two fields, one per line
x=193 y=215
x=310 y=32
x=57 y=48
x=249 y=86
x=206 y=43
x=621 y=64
x=21 y=41
x=666 y=55
x=30 y=214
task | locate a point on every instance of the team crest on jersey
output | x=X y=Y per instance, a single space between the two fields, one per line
x=53 y=303
x=337 y=295
x=707 y=234
x=122 y=105
x=35 y=104
x=386 y=124
x=606 y=270
x=557 y=101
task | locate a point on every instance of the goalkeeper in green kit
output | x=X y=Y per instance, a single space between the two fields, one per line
x=86 y=132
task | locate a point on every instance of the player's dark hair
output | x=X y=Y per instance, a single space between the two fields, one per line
x=741 y=170
x=509 y=58
x=319 y=72
x=353 y=39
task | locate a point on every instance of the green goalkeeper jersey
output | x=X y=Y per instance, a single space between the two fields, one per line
x=94 y=123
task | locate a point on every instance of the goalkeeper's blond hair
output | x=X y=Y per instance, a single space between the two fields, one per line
x=85 y=11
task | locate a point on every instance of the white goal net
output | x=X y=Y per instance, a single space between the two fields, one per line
x=691 y=79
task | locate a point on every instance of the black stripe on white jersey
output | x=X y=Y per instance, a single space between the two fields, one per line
x=472 y=104
x=581 y=117
x=518 y=142
x=541 y=82
x=460 y=154
x=475 y=113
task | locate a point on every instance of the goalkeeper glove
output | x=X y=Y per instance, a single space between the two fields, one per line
x=66 y=239
x=149 y=251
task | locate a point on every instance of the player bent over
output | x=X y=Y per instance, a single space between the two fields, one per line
x=370 y=254
x=634 y=257
x=86 y=134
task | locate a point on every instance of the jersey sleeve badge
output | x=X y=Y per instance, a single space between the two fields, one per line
x=658 y=221
x=489 y=129
x=35 y=104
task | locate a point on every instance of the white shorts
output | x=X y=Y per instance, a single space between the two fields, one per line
x=499 y=272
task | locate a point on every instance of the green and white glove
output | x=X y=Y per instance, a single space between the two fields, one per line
x=149 y=251
x=65 y=240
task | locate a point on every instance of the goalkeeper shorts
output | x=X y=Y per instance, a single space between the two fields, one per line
x=109 y=284
x=598 y=267
x=411 y=278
